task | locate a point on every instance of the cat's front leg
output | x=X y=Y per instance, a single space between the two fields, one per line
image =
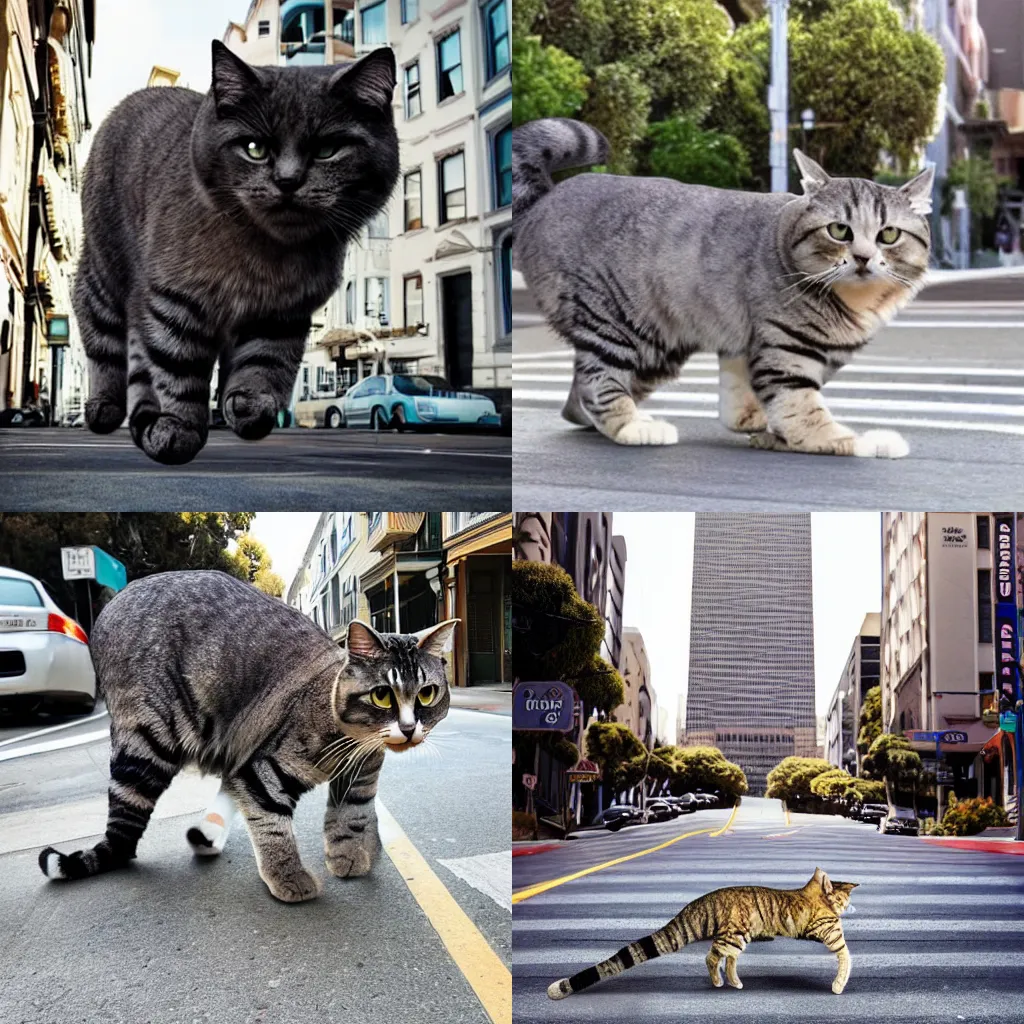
x=264 y=360
x=266 y=794
x=105 y=340
x=788 y=385
x=351 y=841
x=738 y=407
x=171 y=352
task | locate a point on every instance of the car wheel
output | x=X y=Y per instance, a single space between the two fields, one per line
x=377 y=420
x=332 y=419
x=399 y=421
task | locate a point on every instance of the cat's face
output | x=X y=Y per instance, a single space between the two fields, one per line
x=851 y=234
x=837 y=894
x=298 y=151
x=393 y=690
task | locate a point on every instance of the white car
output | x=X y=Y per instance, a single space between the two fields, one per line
x=44 y=655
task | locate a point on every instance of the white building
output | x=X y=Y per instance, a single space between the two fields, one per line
x=428 y=284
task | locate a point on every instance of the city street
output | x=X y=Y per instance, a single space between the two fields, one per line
x=64 y=470
x=948 y=374
x=935 y=934
x=174 y=939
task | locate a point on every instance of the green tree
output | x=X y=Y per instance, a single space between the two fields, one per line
x=258 y=566
x=892 y=759
x=977 y=175
x=791 y=778
x=618 y=105
x=678 y=149
x=702 y=768
x=865 y=791
x=599 y=685
x=549 y=82
x=617 y=750
x=870 y=719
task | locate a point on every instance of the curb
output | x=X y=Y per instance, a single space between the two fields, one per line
x=981 y=846
x=528 y=851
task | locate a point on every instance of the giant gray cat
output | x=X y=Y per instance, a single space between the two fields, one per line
x=198 y=668
x=214 y=226
x=637 y=274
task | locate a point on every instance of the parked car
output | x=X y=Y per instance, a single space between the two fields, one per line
x=903 y=822
x=403 y=402
x=871 y=813
x=660 y=810
x=620 y=815
x=686 y=804
x=44 y=654
x=706 y=799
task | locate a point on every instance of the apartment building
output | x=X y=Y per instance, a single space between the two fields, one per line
x=860 y=673
x=638 y=709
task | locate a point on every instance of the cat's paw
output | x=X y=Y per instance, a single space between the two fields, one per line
x=716 y=980
x=880 y=444
x=769 y=442
x=735 y=984
x=838 y=986
x=166 y=438
x=207 y=839
x=747 y=419
x=250 y=415
x=349 y=860
x=295 y=887
x=647 y=431
x=104 y=416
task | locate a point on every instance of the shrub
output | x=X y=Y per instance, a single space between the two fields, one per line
x=524 y=826
x=969 y=817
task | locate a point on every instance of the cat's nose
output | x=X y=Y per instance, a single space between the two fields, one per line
x=408 y=730
x=288 y=184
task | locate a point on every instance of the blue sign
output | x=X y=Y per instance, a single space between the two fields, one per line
x=547 y=706
x=937 y=737
x=109 y=571
x=1007 y=640
x=1008 y=721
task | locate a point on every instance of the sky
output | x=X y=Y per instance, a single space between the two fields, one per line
x=285 y=535
x=846 y=580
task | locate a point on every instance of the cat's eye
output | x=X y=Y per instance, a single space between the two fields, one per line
x=427 y=695
x=326 y=150
x=840 y=232
x=889 y=235
x=380 y=697
x=256 y=150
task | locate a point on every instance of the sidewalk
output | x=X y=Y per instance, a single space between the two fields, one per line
x=992 y=840
x=495 y=699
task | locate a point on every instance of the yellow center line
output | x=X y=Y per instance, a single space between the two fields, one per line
x=785 y=807
x=728 y=824
x=486 y=973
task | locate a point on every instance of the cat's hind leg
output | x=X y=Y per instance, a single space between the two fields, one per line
x=207 y=837
x=263 y=363
x=738 y=407
x=714 y=962
x=142 y=765
x=351 y=841
x=104 y=338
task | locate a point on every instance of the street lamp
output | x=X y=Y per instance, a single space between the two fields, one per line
x=842 y=694
x=807 y=123
x=778 y=97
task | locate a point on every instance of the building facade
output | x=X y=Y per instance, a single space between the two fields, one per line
x=638 y=708
x=46 y=53
x=751 y=681
x=860 y=673
x=938 y=658
x=478 y=570
x=426 y=288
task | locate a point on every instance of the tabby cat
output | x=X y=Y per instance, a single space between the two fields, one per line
x=731 y=918
x=199 y=668
x=637 y=274
x=214 y=226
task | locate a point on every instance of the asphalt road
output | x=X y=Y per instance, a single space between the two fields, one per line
x=68 y=470
x=935 y=935
x=948 y=374
x=174 y=940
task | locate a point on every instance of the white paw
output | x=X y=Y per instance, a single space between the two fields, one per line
x=837 y=987
x=743 y=419
x=207 y=838
x=880 y=444
x=736 y=984
x=647 y=431
x=717 y=981
x=559 y=989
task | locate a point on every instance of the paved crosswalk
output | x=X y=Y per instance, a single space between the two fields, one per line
x=965 y=393
x=935 y=934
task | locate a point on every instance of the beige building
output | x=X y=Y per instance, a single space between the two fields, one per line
x=937 y=654
x=161 y=76
x=841 y=724
x=638 y=709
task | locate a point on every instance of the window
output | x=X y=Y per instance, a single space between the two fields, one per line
x=375 y=26
x=496 y=34
x=377 y=306
x=263 y=28
x=413 y=102
x=984 y=542
x=410 y=11
x=984 y=606
x=505 y=282
x=413 y=202
x=375 y=386
x=325 y=380
x=413 y=300
x=361 y=391
x=378 y=226
x=20 y=593
x=344 y=25
x=452 y=178
x=986 y=680
x=449 y=67
x=350 y=302
x=502 y=157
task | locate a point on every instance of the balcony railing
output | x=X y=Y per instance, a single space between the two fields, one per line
x=387 y=528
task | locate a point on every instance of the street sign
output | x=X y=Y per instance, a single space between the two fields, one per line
x=953 y=737
x=93 y=563
x=530 y=781
x=547 y=706
x=944 y=778
x=936 y=737
x=1008 y=721
x=584 y=771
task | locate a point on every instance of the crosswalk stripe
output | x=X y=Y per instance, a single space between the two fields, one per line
x=708 y=880
x=851 y=925
x=751 y=962
x=683 y=896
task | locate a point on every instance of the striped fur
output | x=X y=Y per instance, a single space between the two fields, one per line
x=637 y=274
x=732 y=918
x=198 y=668
x=194 y=254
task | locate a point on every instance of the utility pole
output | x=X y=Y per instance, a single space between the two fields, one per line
x=328 y=31
x=778 y=97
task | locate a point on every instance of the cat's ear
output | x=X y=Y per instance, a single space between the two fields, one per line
x=826 y=882
x=435 y=639
x=812 y=175
x=918 y=191
x=233 y=80
x=371 y=80
x=363 y=640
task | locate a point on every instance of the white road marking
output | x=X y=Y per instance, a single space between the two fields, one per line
x=863 y=925
x=53 y=728
x=863 y=962
x=489 y=873
x=58 y=744
x=682 y=896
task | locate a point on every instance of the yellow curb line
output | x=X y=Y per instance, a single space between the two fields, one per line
x=785 y=807
x=490 y=979
x=728 y=824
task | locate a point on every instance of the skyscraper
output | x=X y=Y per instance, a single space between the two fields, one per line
x=751 y=682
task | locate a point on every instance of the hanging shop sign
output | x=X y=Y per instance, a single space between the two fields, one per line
x=584 y=771
x=543 y=706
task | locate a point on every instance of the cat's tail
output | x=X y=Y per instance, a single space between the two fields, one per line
x=676 y=934
x=551 y=144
